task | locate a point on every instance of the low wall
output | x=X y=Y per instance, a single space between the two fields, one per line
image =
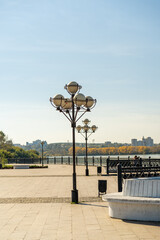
x=21 y=166
x=140 y=200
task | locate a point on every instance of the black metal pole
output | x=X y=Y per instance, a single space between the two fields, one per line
x=42 y=154
x=107 y=165
x=119 y=176
x=87 y=170
x=74 y=192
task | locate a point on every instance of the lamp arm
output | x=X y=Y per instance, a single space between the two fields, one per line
x=67 y=116
x=70 y=116
x=76 y=114
x=90 y=134
x=52 y=102
x=81 y=115
x=82 y=134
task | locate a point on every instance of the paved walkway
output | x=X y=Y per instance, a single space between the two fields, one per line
x=35 y=205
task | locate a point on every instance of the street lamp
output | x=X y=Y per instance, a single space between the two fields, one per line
x=86 y=129
x=42 y=143
x=73 y=109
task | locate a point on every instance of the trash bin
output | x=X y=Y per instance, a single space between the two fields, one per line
x=0 y=165
x=102 y=187
x=99 y=170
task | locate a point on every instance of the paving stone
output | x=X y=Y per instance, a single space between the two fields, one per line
x=35 y=204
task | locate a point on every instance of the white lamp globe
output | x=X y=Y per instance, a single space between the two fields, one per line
x=67 y=103
x=78 y=128
x=89 y=102
x=79 y=99
x=86 y=121
x=94 y=128
x=86 y=128
x=57 y=100
x=72 y=87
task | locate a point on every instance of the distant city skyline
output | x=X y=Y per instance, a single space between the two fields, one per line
x=111 y=48
x=144 y=142
x=148 y=141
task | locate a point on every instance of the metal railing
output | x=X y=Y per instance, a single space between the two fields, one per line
x=111 y=165
x=80 y=160
x=109 y=162
x=135 y=172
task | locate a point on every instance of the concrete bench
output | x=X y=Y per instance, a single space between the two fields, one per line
x=21 y=166
x=140 y=200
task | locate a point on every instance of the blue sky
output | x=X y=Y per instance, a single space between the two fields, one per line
x=111 y=48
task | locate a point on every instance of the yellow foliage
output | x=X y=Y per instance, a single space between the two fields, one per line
x=116 y=150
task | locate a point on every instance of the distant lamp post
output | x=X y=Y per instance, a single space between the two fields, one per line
x=71 y=107
x=86 y=129
x=42 y=143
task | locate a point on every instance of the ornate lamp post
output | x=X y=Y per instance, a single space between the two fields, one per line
x=42 y=143
x=86 y=130
x=73 y=109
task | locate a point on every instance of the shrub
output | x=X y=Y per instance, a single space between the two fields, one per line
x=37 y=166
x=3 y=161
x=8 y=167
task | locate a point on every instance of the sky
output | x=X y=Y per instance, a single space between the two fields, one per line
x=110 y=47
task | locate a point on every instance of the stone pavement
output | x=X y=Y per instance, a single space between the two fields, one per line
x=35 y=205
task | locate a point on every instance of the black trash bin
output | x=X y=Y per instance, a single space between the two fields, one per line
x=0 y=165
x=99 y=170
x=102 y=187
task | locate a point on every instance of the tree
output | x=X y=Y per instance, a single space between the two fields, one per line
x=7 y=150
x=4 y=142
x=2 y=138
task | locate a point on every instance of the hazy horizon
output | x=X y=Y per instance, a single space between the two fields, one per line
x=82 y=142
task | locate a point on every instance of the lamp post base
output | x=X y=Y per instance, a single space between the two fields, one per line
x=74 y=196
x=87 y=172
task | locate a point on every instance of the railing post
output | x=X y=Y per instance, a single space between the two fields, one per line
x=100 y=161
x=140 y=162
x=54 y=160
x=107 y=165
x=68 y=160
x=119 y=176
x=93 y=160
x=61 y=160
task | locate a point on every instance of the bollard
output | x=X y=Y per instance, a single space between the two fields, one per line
x=99 y=170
